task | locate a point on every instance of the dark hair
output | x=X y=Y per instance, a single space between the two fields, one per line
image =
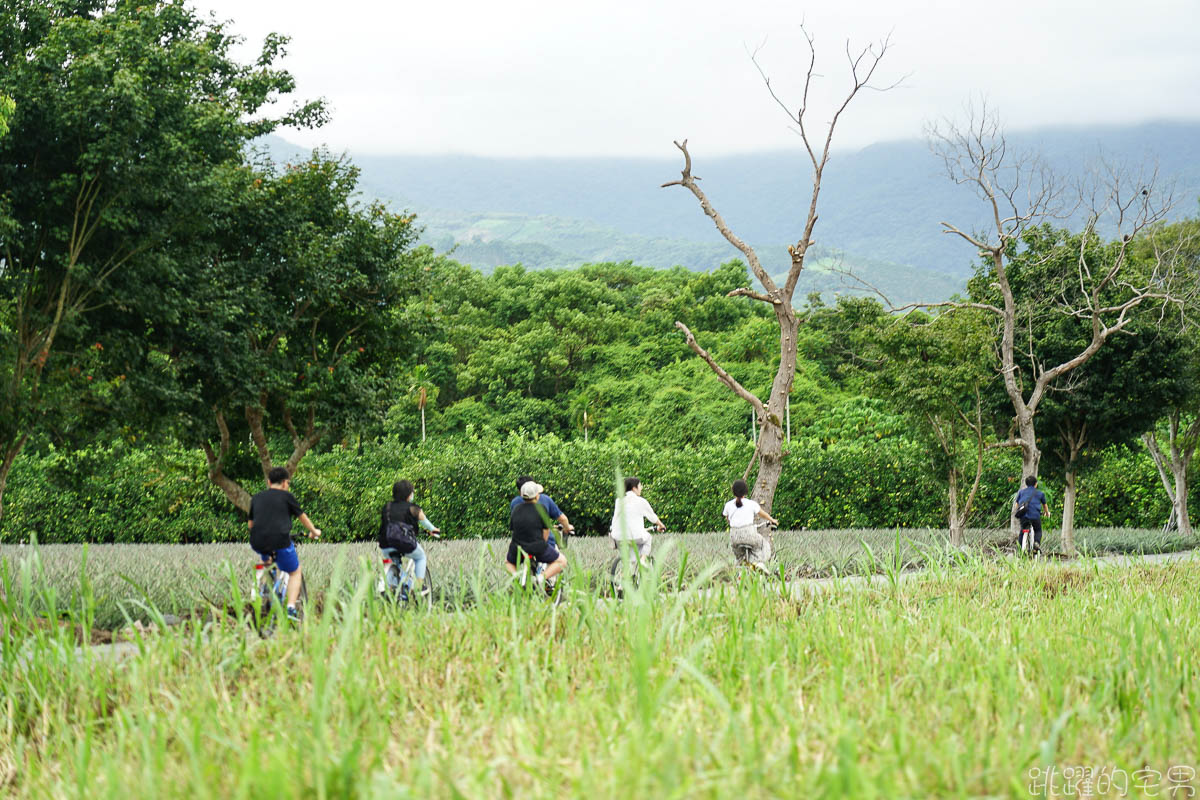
x=278 y=475
x=739 y=491
x=521 y=481
x=630 y=483
x=401 y=490
x=1031 y=481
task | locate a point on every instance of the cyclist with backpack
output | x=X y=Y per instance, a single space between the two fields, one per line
x=1029 y=505
x=398 y=525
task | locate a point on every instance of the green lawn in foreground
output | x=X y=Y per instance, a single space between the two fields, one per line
x=956 y=683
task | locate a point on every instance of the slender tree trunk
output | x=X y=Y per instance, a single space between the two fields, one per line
x=1173 y=470
x=10 y=456
x=957 y=521
x=422 y=423
x=1073 y=440
x=1182 y=520
x=1068 y=512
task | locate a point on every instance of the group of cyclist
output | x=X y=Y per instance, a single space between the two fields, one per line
x=533 y=515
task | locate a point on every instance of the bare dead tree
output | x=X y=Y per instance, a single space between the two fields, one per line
x=770 y=415
x=1020 y=191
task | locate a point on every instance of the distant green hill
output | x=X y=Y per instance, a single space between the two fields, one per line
x=880 y=206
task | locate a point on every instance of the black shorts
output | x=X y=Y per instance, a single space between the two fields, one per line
x=547 y=556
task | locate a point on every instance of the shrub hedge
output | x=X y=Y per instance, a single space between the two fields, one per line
x=123 y=493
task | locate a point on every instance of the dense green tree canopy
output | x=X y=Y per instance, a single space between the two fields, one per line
x=124 y=114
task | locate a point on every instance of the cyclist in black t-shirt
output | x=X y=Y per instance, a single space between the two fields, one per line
x=531 y=533
x=270 y=522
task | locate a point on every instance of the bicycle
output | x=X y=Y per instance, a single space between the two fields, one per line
x=619 y=571
x=530 y=574
x=395 y=585
x=743 y=554
x=1026 y=538
x=271 y=585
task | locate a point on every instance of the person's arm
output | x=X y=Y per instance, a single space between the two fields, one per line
x=767 y=516
x=566 y=523
x=545 y=534
x=313 y=531
x=426 y=525
x=648 y=513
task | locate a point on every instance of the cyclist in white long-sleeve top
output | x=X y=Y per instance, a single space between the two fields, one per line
x=631 y=509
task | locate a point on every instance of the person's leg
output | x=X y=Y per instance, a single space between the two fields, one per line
x=289 y=562
x=510 y=560
x=1037 y=533
x=555 y=567
x=643 y=544
x=418 y=558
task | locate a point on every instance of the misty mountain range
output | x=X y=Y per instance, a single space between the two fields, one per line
x=880 y=207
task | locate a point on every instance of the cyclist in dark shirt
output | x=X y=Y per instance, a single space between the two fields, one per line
x=531 y=533
x=1036 y=499
x=403 y=509
x=547 y=502
x=270 y=522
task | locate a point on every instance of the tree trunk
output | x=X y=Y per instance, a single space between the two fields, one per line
x=771 y=434
x=957 y=521
x=254 y=418
x=1176 y=483
x=422 y=423
x=1180 y=502
x=232 y=489
x=10 y=456
x=1030 y=459
x=300 y=444
x=1068 y=513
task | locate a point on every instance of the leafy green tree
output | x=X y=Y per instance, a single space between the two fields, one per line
x=7 y=107
x=1181 y=427
x=123 y=111
x=1104 y=288
x=299 y=326
x=936 y=372
x=422 y=392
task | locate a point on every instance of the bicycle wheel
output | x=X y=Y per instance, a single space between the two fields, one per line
x=617 y=577
x=394 y=582
x=422 y=597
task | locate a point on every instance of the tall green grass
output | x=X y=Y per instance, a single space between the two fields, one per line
x=956 y=683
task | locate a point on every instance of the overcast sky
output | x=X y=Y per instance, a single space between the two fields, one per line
x=625 y=77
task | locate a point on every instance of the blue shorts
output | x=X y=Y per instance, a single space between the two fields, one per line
x=286 y=559
x=547 y=556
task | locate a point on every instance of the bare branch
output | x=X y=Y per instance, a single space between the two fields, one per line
x=753 y=295
x=724 y=376
x=688 y=181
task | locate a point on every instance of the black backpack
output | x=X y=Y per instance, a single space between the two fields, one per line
x=399 y=535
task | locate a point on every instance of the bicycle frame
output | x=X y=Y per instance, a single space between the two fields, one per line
x=268 y=573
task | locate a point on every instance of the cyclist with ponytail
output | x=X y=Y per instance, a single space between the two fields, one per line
x=741 y=512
